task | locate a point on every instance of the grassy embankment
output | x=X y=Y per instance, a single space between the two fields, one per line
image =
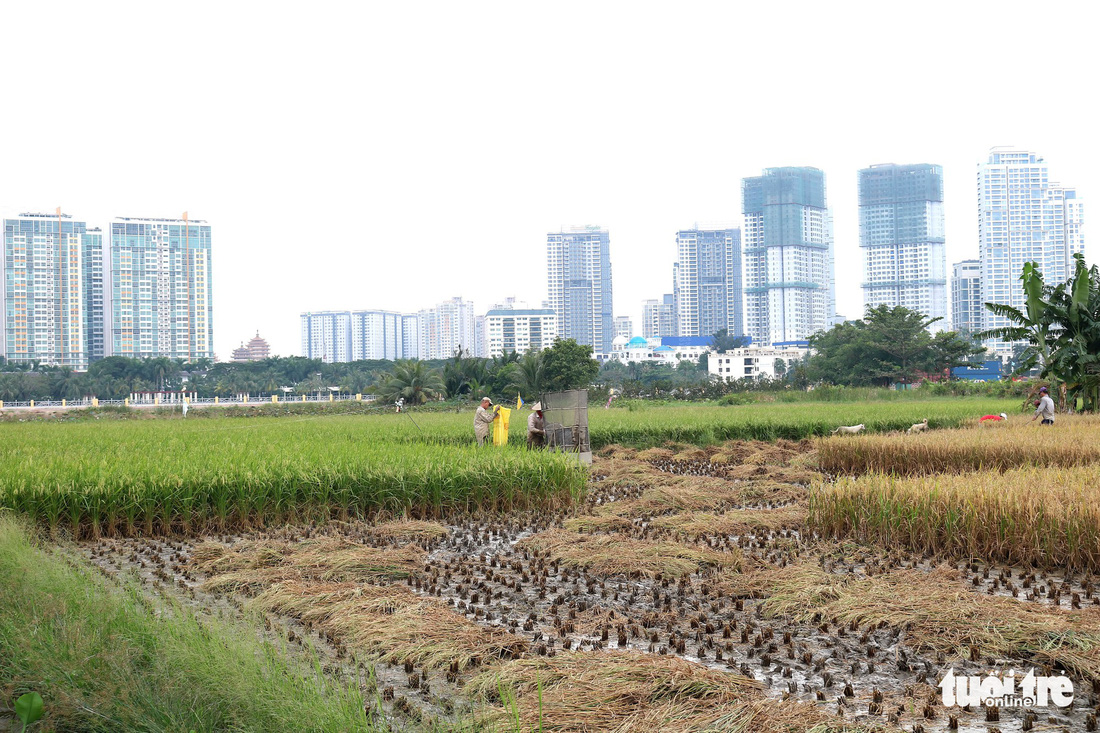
x=105 y=659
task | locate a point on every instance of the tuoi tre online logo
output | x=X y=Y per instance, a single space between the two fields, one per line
x=1004 y=691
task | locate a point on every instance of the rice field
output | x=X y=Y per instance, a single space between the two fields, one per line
x=159 y=477
x=702 y=425
x=1041 y=517
x=718 y=568
x=990 y=447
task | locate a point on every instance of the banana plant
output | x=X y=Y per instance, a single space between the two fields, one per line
x=1032 y=324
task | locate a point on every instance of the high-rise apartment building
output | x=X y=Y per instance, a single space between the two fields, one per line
x=326 y=335
x=410 y=336
x=966 y=296
x=96 y=278
x=42 y=289
x=787 y=250
x=579 y=285
x=901 y=235
x=160 y=300
x=624 y=326
x=1022 y=217
x=659 y=317
x=519 y=330
x=707 y=289
x=376 y=334
x=341 y=336
x=447 y=328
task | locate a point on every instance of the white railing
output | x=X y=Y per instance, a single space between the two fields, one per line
x=149 y=400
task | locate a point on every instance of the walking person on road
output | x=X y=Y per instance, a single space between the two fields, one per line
x=536 y=427
x=483 y=420
x=1045 y=408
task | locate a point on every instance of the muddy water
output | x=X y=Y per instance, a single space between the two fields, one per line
x=481 y=572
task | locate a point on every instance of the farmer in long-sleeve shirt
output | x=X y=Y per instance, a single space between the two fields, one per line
x=1045 y=409
x=536 y=427
x=483 y=420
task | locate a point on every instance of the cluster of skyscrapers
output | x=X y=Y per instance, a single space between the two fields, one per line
x=73 y=294
x=773 y=279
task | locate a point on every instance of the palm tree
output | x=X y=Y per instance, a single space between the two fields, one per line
x=68 y=385
x=529 y=374
x=412 y=381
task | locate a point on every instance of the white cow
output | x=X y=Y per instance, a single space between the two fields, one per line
x=919 y=427
x=849 y=429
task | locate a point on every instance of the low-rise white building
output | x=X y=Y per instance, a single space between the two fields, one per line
x=519 y=330
x=754 y=362
x=669 y=350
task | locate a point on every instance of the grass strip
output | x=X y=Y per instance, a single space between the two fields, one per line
x=105 y=659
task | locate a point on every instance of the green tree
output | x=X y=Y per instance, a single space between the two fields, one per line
x=949 y=349
x=724 y=342
x=568 y=365
x=890 y=344
x=411 y=380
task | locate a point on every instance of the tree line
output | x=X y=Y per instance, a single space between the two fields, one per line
x=566 y=365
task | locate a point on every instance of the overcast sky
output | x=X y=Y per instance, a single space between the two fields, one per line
x=392 y=155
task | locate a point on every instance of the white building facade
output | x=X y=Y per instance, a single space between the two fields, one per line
x=624 y=326
x=326 y=335
x=519 y=330
x=1022 y=217
x=788 y=255
x=659 y=317
x=966 y=296
x=447 y=328
x=901 y=236
x=754 y=362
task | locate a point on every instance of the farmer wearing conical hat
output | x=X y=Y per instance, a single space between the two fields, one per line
x=536 y=427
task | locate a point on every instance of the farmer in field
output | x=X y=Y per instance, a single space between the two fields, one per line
x=483 y=420
x=1045 y=409
x=536 y=427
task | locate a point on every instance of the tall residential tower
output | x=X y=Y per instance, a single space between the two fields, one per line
x=708 y=282
x=788 y=252
x=579 y=285
x=659 y=317
x=966 y=297
x=901 y=234
x=42 y=289
x=159 y=302
x=1022 y=217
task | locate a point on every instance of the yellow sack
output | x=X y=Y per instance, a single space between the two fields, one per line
x=500 y=426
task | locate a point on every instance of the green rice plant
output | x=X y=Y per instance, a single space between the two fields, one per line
x=155 y=477
x=1043 y=517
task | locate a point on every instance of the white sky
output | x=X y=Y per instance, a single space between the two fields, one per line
x=391 y=155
